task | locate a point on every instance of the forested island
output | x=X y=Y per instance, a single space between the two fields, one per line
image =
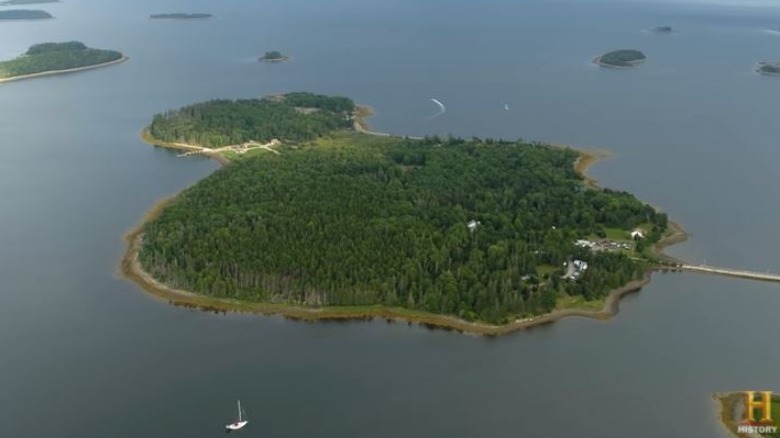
x=24 y=14
x=663 y=29
x=733 y=413
x=54 y=58
x=627 y=58
x=474 y=234
x=179 y=16
x=26 y=2
x=768 y=68
x=273 y=56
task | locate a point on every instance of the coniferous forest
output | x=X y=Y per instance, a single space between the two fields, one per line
x=56 y=56
x=292 y=117
x=622 y=58
x=351 y=219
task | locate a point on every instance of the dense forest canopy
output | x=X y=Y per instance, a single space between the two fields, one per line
x=358 y=220
x=56 y=56
x=24 y=14
x=68 y=46
x=622 y=58
x=225 y=122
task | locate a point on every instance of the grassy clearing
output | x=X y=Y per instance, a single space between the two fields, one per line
x=541 y=270
x=617 y=234
x=579 y=303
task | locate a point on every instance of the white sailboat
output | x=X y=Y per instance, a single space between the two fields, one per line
x=240 y=423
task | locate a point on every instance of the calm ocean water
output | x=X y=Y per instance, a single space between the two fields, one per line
x=86 y=353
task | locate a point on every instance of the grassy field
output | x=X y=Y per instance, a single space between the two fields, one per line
x=578 y=302
x=541 y=270
x=617 y=234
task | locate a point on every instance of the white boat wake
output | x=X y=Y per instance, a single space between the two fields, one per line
x=442 y=109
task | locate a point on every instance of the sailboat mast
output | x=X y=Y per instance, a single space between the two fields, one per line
x=239 y=411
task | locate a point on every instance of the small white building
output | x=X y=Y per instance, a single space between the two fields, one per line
x=584 y=243
x=473 y=224
x=580 y=265
x=637 y=234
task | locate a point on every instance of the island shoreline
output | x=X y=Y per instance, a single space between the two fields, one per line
x=131 y=269
x=149 y=139
x=27 y=19
x=728 y=402
x=273 y=60
x=633 y=64
x=66 y=71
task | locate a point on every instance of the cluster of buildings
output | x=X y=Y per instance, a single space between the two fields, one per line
x=603 y=245
x=574 y=269
x=610 y=245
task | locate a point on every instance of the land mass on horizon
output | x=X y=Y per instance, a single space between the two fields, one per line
x=180 y=16
x=24 y=14
x=273 y=56
x=474 y=234
x=26 y=2
x=624 y=58
x=663 y=30
x=55 y=58
x=768 y=68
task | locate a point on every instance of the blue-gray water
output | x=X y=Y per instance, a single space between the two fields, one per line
x=85 y=353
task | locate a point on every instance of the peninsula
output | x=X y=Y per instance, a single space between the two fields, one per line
x=179 y=16
x=732 y=415
x=314 y=220
x=56 y=58
x=768 y=68
x=26 y=2
x=273 y=56
x=24 y=14
x=625 y=58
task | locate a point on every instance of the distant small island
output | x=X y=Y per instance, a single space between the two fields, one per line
x=179 y=16
x=26 y=2
x=768 y=68
x=24 y=14
x=625 y=58
x=55 y=58
x=273 y=56
x=663 y=29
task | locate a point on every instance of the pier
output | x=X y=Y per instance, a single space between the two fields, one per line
x=728 y=272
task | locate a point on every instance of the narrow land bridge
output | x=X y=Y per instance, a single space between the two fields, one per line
x=738 y=273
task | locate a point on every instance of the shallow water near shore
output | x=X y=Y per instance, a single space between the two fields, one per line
x=85 y=353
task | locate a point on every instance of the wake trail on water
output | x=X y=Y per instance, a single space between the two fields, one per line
x=442 y=109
